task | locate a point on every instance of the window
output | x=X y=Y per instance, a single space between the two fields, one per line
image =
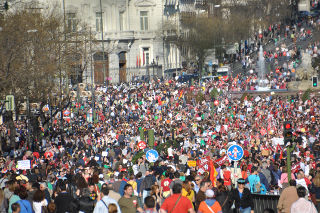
x=144 y=20
x=98 y=21
x=71 y=22
x=146 y=56
x=121 y=21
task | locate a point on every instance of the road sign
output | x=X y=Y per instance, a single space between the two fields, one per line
x=210 y=63
x=142 y=145
x=10 y=103
x=235 y=152
x=152 y=156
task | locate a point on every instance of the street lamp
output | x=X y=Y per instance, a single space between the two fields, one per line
x=153 y=63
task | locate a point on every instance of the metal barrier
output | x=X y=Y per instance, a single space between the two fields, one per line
x=262 y=202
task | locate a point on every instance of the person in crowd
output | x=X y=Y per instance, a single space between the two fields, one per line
x=302 y=204
x=102 y=205
x=242 y=198
x=201 y=196
x=150 y=205
x=15 y=207
x=64 y=201
x=210 y=204
x=288 y=197
x=39 y=201
x=176 y=202
x=128 y=202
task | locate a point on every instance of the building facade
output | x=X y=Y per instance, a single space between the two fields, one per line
x=130 y=33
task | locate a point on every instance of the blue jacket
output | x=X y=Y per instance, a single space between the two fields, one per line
x=25 y=206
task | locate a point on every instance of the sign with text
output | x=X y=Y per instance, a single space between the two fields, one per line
x=24 y=164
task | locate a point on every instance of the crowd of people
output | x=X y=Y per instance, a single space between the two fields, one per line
x=97 y=162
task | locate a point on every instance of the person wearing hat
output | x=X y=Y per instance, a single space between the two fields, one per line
x=210 y=204
x=242 y=198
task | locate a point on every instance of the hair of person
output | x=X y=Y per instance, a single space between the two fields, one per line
x=292 y=182
x=138 y=175
x=176 y=174
x=15 y=207
x=105 y=190
x=1 y=195
x=301 y=191
x=81 y=182
x=51 y=207
x=187 y=186
x=150 y=202
x=268 y=210
x=154 y=189
x=176 y=189
x=316 y=180
x=203 y=183
x=220 y=180
x=38 y=196
x=112 y=208
x=63 y=186
x=127 y=186
x=222 y=188
x=223 y=167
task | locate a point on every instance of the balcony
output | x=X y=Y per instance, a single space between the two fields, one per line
x=120 y=35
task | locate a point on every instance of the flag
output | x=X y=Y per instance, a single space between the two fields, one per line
x=180 y=94
x=221 y=160
x=213 y=173
x=137 y=63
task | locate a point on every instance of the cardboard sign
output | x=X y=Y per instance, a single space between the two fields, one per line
x=24 y=164
x=192 y=163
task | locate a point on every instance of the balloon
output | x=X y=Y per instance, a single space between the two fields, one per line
x=140 y=102
x=156 y=117
x=216 y=102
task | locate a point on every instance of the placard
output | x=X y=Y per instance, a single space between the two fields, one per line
x=24 y=164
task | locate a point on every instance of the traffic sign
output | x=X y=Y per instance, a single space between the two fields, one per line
x=235 y=152
x=10 y=103
x=142 y=145
x=210 y=63
x=152 y=156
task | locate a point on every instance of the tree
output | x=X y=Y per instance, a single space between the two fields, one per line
x=36 y=55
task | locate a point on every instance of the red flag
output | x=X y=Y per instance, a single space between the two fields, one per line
x=221 y=160
x=295 y=168
x=137 y=63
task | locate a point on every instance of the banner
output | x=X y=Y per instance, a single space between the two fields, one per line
x=295 y=168
x=221 y=161
x=192 y=163
x=23 y=164
x=203 y=165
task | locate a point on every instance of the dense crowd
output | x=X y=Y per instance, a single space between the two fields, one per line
x=98 y=163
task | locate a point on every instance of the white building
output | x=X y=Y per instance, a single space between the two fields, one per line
x=132 y=37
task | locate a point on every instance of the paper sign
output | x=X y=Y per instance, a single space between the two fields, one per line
x=104 y=154
x=23 y=164
x=192 y=163
x=276 y=141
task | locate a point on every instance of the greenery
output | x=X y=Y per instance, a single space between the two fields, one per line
x=137 y=156
x=306 y=95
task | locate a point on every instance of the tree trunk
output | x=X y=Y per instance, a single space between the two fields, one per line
x=8 y=120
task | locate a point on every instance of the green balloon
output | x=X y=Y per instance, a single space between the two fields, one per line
x=156 y=117
x=140 y=128
x=105 y=166
x=140 y=102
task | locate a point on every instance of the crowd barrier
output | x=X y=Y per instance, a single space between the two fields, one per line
x=262 y=202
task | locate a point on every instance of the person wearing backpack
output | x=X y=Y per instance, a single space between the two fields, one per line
x=147 y=183
x=254 y=181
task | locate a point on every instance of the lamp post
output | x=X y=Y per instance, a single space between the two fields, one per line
x=157 y=58
x=153 y=63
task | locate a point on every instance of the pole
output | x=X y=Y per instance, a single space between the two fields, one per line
x=102 y=43
x=289 y=150
x=92 y=81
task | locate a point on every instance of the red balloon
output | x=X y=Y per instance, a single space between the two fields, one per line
x=216 y=102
